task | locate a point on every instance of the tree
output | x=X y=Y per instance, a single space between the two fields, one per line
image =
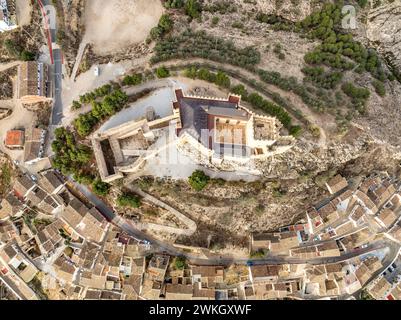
x=379 y=87
x=162 y=72
x=180 y=262
x=198 y=180
x=165 y=23
x=193 y=9
x=27 y=56
x=100 y=188
x=76 y=105
x=222 y=79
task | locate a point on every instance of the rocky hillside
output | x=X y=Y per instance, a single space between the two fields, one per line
x=383 y=30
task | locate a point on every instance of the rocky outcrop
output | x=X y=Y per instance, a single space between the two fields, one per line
x=383 y=30
x=355 y=148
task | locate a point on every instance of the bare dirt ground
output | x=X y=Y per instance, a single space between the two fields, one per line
x=117 y=24
x=23 y=10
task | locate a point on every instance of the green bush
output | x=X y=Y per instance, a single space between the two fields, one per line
x=100 y=188
x=76 y=105
x=295 y=130
x=321 y=78
x=379 y=87
x=198 y=180
x=162 y=72
x=129 y=200
x=132 y=80
x=180 y=262
x=164 y=26
x=261 y=253
x=174 y=4
x=358 y=96
x=215 y=21
x=193 y=9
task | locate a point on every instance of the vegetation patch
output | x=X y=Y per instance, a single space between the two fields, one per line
x=198 y=180
x=199 y=44
x=129 y=200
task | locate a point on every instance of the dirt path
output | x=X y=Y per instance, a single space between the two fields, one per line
x=5 y=66
x=191 y=225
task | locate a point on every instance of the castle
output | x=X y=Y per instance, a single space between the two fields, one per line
x=211 y=131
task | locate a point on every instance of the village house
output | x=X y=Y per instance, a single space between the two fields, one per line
x=64 y=269
x=13 y=256
x=34 y=145
x=87 y=223
x=208 y=276
x=49 y=238
x=15 y=139
x=365 y=202
x=179 y=291
x=10 y=206
x=394 y=233
x=50 y=182
x=33 y=83
x=356 y=239
x=264 y=272
x=157 y=267
x=202 y=293
x=278 y=242
x=386 y=217
x=380 y=288
x=366 y=269
x=22 y=186
x=8 y=232
x=336 y=184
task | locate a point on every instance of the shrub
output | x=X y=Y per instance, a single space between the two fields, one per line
x=215 y=21
x=76 y=105
x=180 y=262
x=198 y=180
x=193 y=9
x=379 y=87
x=162 y=72
x=258 y=254
x=129 y=200
x=174 y=4
x=164 y=26
x=100 y=188
x=132 y=80
x=295 y=130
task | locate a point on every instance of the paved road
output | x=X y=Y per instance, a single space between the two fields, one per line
x=56 y=73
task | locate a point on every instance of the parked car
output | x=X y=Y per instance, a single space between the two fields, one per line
x=96 y=71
